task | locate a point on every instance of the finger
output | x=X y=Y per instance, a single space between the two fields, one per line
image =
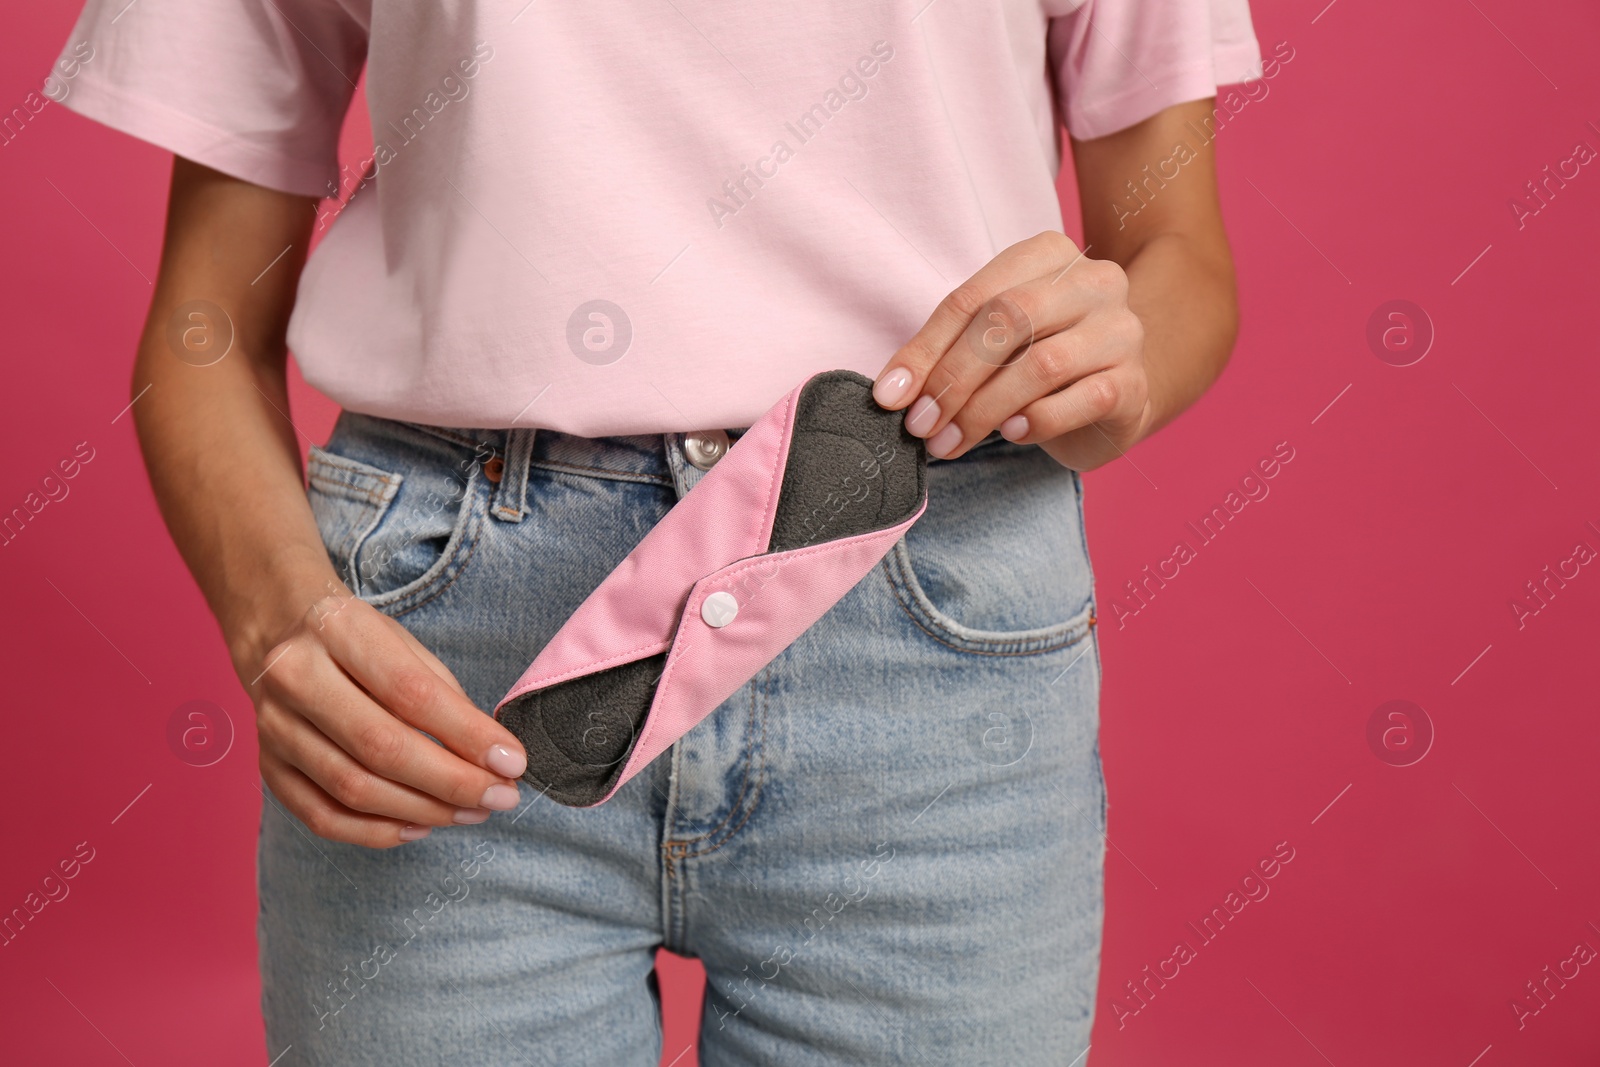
x=339 y=598
x=362 y=642
x=902 y=378
x=426 y=656
x=1086 y=402
x=314 y=685
x=292 y=739
x=1014 y=361
x=326 y=817
x=1048 y=365
x=1001 y=336
x=385 y=744
x=998 y=336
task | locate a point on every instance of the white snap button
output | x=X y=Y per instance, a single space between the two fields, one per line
x=718 y=609
x=704 y=447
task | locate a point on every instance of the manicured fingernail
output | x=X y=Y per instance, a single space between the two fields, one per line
x=414 y=833
x=500 y=797
x=1015 y=428
x=924 y=413
x=470 y=816
x=505 y=762
x=945 y=441
x=891 y=388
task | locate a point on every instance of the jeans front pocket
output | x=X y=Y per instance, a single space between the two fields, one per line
x=998 y=564
x=348 y=499
x=400 y=517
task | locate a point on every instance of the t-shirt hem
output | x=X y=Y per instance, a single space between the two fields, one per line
x=183 y=134
x=1196 y=81
x=1237 y=61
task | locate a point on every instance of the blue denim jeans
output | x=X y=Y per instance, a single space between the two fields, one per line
x=886 y=848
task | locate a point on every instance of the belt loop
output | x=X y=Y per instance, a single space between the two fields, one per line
x=511 y=496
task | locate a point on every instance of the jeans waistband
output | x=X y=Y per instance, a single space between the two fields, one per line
x=652 y=458
x=633 y=457
x=656 y=459
x=642 y=456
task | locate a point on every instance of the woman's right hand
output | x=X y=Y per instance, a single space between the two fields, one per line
x=342 y=692
x=342 y=703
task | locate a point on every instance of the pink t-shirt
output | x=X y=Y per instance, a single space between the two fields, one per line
x=610 y=218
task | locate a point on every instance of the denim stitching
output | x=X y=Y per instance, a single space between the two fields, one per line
x=356 y=489
x=999 y=646
x=745 y=787
x=609 y=473
x=453 y=566
x=596 y=665
x=755 y=794
x=458 y=565
x=444 y=433
x=320 y=459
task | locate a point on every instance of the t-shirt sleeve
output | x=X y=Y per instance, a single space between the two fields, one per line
x=257 y=89
x=1117 y=62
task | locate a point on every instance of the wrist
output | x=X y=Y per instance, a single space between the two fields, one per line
x=261 y=614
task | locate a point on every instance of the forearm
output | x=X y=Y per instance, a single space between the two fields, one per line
x=222 y=456
x=1183 y=292
x=348 y=716
x=1166 y=232
x=227 y=479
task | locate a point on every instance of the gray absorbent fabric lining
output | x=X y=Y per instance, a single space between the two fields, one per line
x=852 y=468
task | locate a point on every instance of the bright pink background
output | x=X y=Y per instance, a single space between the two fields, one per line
x=1236 y=702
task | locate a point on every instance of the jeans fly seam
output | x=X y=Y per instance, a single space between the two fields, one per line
x=744 y=789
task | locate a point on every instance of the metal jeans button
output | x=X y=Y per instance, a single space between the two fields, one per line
x=704 y=447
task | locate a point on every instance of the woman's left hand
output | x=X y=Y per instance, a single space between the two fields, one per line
x=1040 y=344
